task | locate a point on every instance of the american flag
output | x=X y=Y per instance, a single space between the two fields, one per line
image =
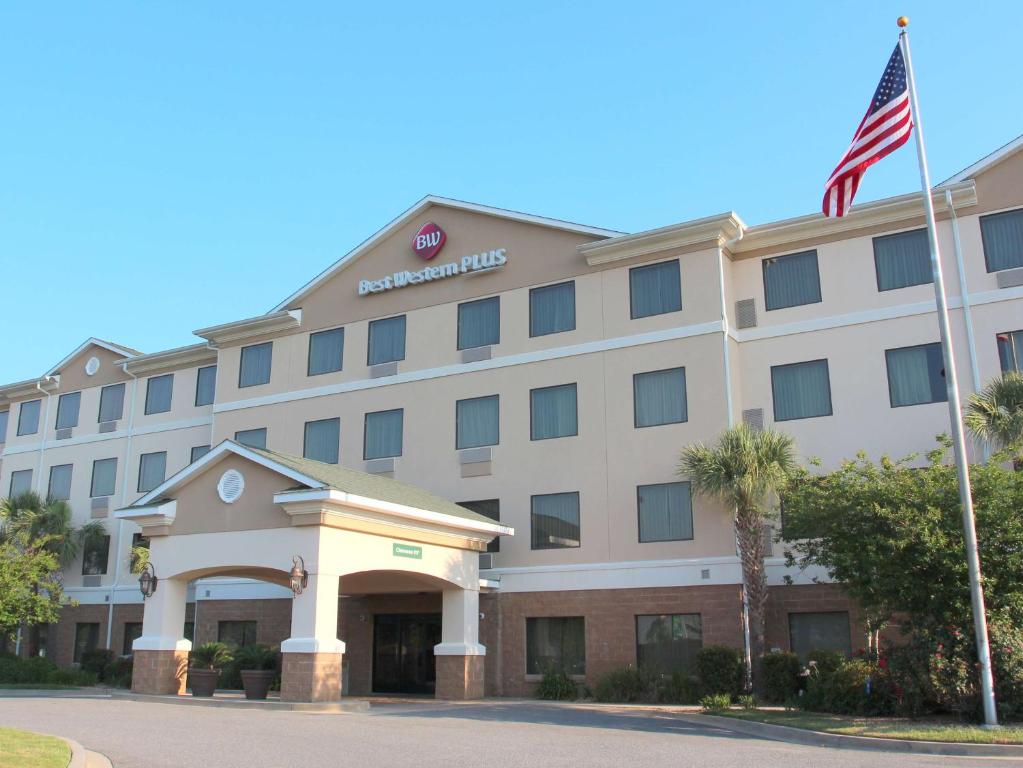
x=884 y=128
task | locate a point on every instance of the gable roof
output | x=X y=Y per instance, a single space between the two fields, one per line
x=986 y=162
x=416 y=210
x=117 y=349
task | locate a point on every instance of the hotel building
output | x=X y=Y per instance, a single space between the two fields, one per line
x=540 y=374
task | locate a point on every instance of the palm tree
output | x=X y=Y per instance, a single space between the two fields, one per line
x=995 y=414
x=743 y=469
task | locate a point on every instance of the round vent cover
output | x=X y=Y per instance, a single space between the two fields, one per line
x=91 y=366
x=231 y=486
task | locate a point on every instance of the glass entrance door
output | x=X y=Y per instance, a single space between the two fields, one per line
x=403 y=652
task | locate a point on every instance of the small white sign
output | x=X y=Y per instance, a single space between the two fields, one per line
x=477 y=262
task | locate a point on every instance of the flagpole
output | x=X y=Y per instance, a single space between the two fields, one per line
x=954 y=406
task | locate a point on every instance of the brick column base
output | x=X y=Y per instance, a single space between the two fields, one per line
x=310 y=676
x=460 y=677
x=159 y=672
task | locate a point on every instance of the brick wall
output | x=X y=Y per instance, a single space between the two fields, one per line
x=809 y=598
x=272 y=617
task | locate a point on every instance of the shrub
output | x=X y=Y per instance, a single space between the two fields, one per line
x=118 y=673
x=96 y=661
x=826 y=662
x=780 y=677
x=624 y=685
x=41 y=671
x=720 y=670
x=856 y=687
x=256 y=657
x=677 y=688
x=716 y=702
x=556 y=686
x=747 y=701
x=210 y=656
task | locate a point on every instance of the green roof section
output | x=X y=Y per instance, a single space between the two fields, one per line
x=371 y=486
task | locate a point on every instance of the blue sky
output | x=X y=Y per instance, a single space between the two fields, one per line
x=219 y=155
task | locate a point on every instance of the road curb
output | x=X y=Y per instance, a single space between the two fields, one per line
x=78 y=754
x=868 y=743
x=285 y=706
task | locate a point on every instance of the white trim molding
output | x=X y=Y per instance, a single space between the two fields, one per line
x=986 y=162
x=239 y=330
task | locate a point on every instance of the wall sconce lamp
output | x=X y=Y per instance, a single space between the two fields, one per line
x=299 y=575
x=148 y=581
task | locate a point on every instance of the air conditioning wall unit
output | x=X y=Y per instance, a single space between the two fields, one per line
x=486 y=561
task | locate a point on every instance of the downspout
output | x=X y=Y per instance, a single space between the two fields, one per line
x=42 y=436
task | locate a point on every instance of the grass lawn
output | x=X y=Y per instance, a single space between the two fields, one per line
x=29 y=750
x=882 y=727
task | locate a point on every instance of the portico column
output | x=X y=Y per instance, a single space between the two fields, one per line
x=160 y=655
x=459 y=655
x=311 y=657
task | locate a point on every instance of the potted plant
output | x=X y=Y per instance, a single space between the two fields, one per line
x=204 y=665
x=258 y=666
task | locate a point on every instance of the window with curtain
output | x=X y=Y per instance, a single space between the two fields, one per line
x=665 y=512
x=916 y=375
x=477 y=422
x=111 y=403
x=237 y=633
x=902 y=259
x=479 y=323
x=159 y=390
x=152 y=470
x=655 y=289
x=552 y=412
x=86 y=639
x=668 y=643
x=323 y=440
x=556 y=644
x=552 y=309
x=387 y=340
x=21 y=482
x=489 y=508
x=326 y=351
x=4 y=415
x=132 y=632
x=819 y=632
x=59 y=488
x=801 y=390
x=659 y=397
x=198 y=452
x=205 y=385
x=792 y=280
x=28 y=418
x=1010 y=351
x=67 y=410
x=1002 y=235
x=104 y=476
x=382 y=434
x=95 y=554
x=554 y=520
x=255 y=364
x=254 y=438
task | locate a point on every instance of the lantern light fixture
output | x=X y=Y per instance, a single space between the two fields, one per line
x=148 y=580
x=299 y=575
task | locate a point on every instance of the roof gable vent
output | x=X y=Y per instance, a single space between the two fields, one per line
x=231 y=486
x=746 y=313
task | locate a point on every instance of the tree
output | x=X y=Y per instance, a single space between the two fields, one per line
x=30 y=584
x=995 y=414
x=743 y=469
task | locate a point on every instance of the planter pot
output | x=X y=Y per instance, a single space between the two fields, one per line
x=257 y=682
x=203 y=682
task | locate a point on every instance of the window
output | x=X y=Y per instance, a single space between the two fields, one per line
x=387 y=340
x=152 y=470
x=1002 y=235
x=655 y=289
x=490 y=508
x=67 y=410
x=189 y=631
x=28 y=418
x=323 y=440
x=552 y=412
x=132 y=632
x=555 y=520
x=801 y=390
x=104 y=476
x=255 y=364
x=254 y=438
x=158 y=393
x=819 y=632
x=111 y=402
x=552 y=309
x=916 y=375
x=94 y=556
x=326 y=351
x=659 y=397
x=668 y=643
x=138 y=541
x=479 y=323
x=59 y=488
x=556 y=644
x=205 y=385
x=21 y=482
x=665 y=512
x=3 y=425
x=86 y=639
x=237 y=633
x=792 y=280
x=382 y=434
x=902 y=259
x=198 y=452
x=477 y=422
x=1010 y=351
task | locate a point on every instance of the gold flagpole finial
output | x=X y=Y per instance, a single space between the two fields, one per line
x=902 y=21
